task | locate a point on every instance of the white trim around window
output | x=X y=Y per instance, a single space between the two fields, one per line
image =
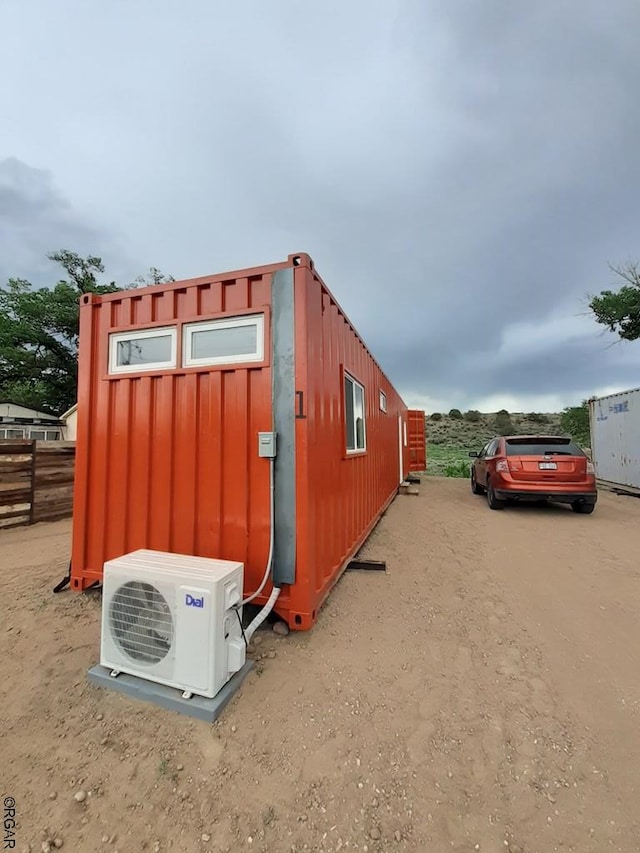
x=355 y=415
x=383 y=401
x=217 y=343
x=138 y=361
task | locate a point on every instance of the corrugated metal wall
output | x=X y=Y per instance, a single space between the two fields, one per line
x=417 y=441
x=168 y=460
x=340 y=496
x=615 y=438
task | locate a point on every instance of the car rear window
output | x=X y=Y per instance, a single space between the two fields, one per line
x=542 y=447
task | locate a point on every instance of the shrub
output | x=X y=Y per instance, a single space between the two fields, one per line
x=457 y=469
x=436 y=416
x=503 y=422
x=537 y=418
x=575 y=422
x=473 y=416
x=455 y=415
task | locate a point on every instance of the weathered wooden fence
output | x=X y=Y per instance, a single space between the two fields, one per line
x=36 y=481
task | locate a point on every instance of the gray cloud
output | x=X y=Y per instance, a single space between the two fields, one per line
x=36 y=219
x=456 y=170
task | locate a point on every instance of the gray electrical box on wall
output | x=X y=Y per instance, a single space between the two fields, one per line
x=267 y=444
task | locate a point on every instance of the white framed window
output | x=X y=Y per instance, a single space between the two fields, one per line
x=383 y=402
x=15 y=433
x=404 y=427
x=237 y=340
x=53 y=436
x=37 y=435
x=354 y=412
x=149 y=349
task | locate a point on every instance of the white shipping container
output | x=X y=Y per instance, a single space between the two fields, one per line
x=615 y=438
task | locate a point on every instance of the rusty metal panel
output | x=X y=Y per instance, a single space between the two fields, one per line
x=615 y=438
x=417 y=443
x=340 y=496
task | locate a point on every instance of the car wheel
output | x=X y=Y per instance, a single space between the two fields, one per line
x=475 y=488
x=583 y=509
x=492 y=500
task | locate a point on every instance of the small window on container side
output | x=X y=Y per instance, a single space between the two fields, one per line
x=383 y=402
x=237 y=340
x=354 y=415
x=153 y=349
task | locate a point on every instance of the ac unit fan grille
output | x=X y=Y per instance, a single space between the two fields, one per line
x=141 y=623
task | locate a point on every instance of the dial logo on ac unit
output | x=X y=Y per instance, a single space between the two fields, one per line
x=192 y=601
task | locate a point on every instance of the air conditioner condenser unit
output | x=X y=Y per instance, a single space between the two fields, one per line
x=173 y=619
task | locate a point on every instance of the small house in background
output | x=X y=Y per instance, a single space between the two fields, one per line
x=19 y=422
x=69 y=421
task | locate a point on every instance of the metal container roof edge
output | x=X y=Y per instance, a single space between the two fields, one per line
x=615 y=394
x=304 y=260
x=163 y=287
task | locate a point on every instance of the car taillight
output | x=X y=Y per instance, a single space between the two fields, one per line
x=591 y=468
x=502 y=465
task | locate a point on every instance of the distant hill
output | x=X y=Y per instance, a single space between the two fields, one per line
x=472 y=435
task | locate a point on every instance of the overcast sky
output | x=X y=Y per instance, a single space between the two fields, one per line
x=461 y=172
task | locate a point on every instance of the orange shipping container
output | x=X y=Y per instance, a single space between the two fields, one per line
x=417 y=441
x=177 y=381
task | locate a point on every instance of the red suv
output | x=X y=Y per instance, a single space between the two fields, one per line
x=534 y=468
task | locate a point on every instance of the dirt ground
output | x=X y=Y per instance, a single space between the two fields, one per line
x=484 y=695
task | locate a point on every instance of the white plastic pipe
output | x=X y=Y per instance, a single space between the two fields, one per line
x=262 y=615
x=271 y=537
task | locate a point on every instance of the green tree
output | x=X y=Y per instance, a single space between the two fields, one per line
x=503 y=423
x=154 y=276
x=455 y=415
x=619 y=310
x=574 y=420
x=473 y=416
x=436 y=416
x=39 y=332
